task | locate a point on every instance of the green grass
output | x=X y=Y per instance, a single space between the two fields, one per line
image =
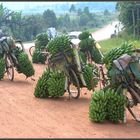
x=107 y=45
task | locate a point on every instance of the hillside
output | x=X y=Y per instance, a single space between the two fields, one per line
x=59 y=7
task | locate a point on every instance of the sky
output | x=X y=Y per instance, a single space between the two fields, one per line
x=21 y=5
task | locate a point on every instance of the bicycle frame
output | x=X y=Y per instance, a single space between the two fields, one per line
x=102 y=74
x=133 y=90
x=69 y=71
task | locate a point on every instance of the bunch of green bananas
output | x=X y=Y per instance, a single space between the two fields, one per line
x=96 y=55
x=58 y=44
x=25 y=66
x=84 y=35
x=97 y=108
x=40 y=44
x=82 y=57
x=16 y=51
x=56 y=84
x=41 y=89
x=2 y=68
x=107 y=105
x=126 y=48
x=41 y=41
x=88 y=45
x=115 y=107
x=38 y=57
x=90 y=71
x=50 y=84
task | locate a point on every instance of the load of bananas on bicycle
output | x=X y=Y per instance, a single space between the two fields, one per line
x=12 y=56
x=89 y=48
x=83 y=67
x=41 y=41
x=106 y=103
x=123 y=90
x=40 y=44
x=65 y=60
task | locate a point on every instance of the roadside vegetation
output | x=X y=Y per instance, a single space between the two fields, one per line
x=107 y=45
x=26 y=27
x=129 y=16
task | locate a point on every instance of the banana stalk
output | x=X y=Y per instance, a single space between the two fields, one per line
x=77 y=58
x=99 y=47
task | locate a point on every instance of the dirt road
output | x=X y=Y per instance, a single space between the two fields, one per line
x=105 y=32
x=24 y=116
x=101 y=34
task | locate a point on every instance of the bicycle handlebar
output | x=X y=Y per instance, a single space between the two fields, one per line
x=19 y=41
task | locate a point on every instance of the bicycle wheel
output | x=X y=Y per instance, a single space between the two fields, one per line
x=9 y=67
x=31 y=50
x=73 y=89
x=132 y=102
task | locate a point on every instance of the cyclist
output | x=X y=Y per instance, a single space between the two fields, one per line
x=52 y=33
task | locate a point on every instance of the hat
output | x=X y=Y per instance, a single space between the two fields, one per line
x=123 y=61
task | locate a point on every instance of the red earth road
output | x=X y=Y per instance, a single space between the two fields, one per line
x=24 y=116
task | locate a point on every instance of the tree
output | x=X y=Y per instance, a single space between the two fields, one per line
x=86 y=11
x=84 y=18
x=67 y=21
x=34 y=26
x=50 y=18
x=106 y=12
x=15 y=24
x=5 y=15
x=64 y=21
x=130 y=16
x=79 y=11
x=72 y=8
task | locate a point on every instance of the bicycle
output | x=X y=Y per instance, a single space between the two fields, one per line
x=72 y=84
x=130 y=87
x=9 y=66
x=101 y=74
x=31 y=50
x=51 y=32
x=10 y=59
